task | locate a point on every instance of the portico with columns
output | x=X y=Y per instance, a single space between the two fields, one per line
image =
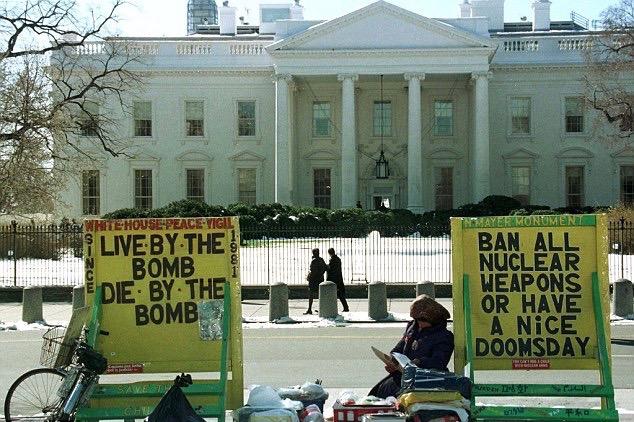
x=340 y=62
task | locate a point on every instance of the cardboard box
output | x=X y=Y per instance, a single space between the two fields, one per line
x=355 y=412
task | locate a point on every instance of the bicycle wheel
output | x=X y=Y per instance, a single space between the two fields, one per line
x=33 y=396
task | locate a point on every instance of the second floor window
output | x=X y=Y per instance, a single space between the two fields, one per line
x=382 y=118
x=143 y=189
x=89 y=119
x=574 y=115
x=246 y=118
x=520 y=116
x=196 y=184
x=321 y=119
x=90 y=192
x=443 y=118
x=194 y=118
x=142 y=118
x=321 y=188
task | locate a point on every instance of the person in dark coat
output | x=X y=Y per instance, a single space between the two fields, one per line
x=426 y=342
x=335 y=275
x=315 y=277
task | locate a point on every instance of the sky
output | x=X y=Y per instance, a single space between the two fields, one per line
x=155 y=18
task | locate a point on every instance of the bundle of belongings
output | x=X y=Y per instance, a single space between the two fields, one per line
x=293 y=404
x=429 y=395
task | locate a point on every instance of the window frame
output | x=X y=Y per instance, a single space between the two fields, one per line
x=582 y=194
x=255 y=171
x=436 y=171
x=330 y=120
x=185 y=120
x=152 y=134
x=256 y=134
x=97 y=197
x=530 y=182
x=565 y=116
x=620 y=182
x=531 y=114
x=329 y=188
x=92 y=124
x=203 y=171
x=391 y=118
x=434 y=117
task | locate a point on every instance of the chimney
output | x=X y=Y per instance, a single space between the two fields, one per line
x=492 y=9
x=465 y=9
x=227 y=19
x=297 y=11
x=541 y=15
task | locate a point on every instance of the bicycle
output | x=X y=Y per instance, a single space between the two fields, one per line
x=55 y=392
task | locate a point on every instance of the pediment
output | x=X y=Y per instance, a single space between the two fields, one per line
x=194 y=156
x=520 y=154
x=575 y=152
x=140 y=154
x=381 y=26
x=444 y=154
x=247 y=156
x=321 y=154
x=625 y=152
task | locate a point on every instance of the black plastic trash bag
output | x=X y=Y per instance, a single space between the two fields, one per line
x=174 y=406
x=419 y=378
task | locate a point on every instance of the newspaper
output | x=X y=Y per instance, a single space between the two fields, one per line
x=397 y=359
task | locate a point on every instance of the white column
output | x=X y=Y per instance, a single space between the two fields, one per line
x=481 y=178
x=414 y=144
x=283 y=176
x=348 y=142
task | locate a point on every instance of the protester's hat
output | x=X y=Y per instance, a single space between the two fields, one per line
x=426 y=308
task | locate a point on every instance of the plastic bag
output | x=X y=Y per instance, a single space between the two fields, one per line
x=264 y=396
x=312 y=413
x=174 y=406
x=347 y=398
x=418 y=378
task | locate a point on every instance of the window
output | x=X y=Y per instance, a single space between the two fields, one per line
x=90 y=192
x=194 y=118
x=627 y=185
x=520 y=116
x=574 y=115
x=246 y=118
x=142 y=118
x=246 y=186
x=89 y=120
x=321 y=119
x=143 y=189
x=443 y=118
x=444 y=188
x=196 y=184
x=574 y=186
x=321 y=188
x=382 y=118
x=521 y=184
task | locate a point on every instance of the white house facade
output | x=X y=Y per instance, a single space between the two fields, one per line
x=299 y=112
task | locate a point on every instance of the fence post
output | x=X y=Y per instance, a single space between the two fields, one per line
x=278 y=301
x=32 y=304
x=327 y=299
x=14 y=232
x=377 y=300
x=622 y=305
x=79 y=300
x=622 y=245
x=426 y=288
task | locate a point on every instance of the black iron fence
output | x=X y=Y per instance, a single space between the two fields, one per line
x=52 y=255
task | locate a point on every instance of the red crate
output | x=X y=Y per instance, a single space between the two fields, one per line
x=354 y=413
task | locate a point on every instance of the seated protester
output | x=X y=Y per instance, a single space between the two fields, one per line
x=426 y=342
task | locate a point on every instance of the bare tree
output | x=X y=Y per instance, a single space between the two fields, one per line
x=611 y=64
x=59 y=78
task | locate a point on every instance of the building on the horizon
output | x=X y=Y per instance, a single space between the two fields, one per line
x=310 y=112
x=201 y=13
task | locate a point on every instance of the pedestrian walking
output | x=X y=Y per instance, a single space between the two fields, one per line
x=315 y=277
x=335 y=275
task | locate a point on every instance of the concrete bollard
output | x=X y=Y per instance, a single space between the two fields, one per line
x=32 y=304
x=328 y=299
x=278 y=301
x=79 y=301
x=426 y=288
x=622 y=298
x=377 y=301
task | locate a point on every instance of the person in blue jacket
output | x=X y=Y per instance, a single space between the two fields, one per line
x=426 y=342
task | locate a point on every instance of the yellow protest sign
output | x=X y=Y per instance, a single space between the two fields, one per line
x=530 y=281
x=162 y=289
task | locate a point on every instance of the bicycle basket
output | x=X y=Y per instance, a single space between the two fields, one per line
x=56 y=352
